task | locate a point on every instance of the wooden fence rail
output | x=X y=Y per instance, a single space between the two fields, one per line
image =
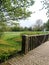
x=30 y=42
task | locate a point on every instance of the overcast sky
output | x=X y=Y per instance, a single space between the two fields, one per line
x=36 y=14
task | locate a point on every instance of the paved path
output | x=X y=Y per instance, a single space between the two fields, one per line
x=38 y=56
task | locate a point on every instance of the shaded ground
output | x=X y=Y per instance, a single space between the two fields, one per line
x=38 y=56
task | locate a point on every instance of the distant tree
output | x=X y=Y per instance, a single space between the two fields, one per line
x=25 y=29
x=46 y=25
x=38 y=25
x=30 y=28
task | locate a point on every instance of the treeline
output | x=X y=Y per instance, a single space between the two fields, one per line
x=39 y=26
x=7 y=28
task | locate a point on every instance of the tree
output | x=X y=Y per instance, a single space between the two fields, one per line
x=46 y=6
x=30 y=28
x=47 y=25
x=15 y=9
x=38 y=25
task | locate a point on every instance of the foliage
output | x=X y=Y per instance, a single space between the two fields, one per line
x=17 y=9
x=13 y=10
x=46 y=25
x=46 y=6
x=38 y=25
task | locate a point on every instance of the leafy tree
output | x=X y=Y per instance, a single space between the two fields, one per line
x=30 y=28
x=47 y=25
x=46 y=6
x=38 y=25
x=15 y=9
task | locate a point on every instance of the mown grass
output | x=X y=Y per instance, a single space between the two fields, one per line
x=10 y=43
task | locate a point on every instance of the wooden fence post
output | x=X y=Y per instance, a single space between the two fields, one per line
x=25 y=44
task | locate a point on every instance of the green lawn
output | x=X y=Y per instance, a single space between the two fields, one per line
x=10 y=43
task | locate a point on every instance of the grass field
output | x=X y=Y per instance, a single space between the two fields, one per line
x=10 y=43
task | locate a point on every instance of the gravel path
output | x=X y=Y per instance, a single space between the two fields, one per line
x=38 y=56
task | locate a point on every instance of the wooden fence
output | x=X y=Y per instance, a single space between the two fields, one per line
x=30 y=42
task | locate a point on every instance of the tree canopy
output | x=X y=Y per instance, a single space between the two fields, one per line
x=46 y=6
x=15 y=9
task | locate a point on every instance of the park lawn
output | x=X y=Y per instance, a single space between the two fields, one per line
x=10 y=43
